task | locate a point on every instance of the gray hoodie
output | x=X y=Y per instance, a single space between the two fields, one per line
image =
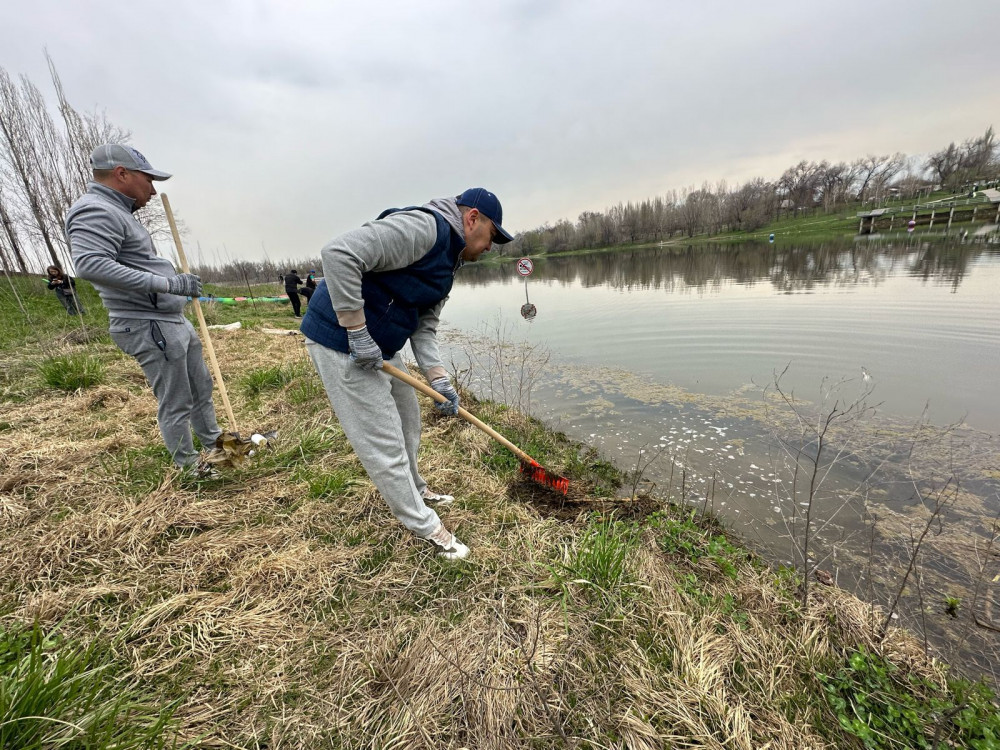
x=111 y=249
x=397 y=241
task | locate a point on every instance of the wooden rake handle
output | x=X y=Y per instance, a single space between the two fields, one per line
x=475 y=422
x=201 y=318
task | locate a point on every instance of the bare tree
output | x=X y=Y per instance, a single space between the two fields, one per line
x=46 y=168
x=84 y=133
x=834 y=182
x=10 y=245
x=750 y=206
x=801 y=183
x=696 y=210
x=19 y=148
x=944 y=164
x=979 y=158
x=875 y=172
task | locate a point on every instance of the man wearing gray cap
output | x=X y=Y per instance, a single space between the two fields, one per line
x=144 y=295
x=385 y=284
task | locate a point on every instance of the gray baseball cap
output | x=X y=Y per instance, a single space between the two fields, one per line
x=111 y=155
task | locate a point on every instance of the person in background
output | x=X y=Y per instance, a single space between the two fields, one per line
x=65 y=288
x=292 y=282
x=309 y=287
x=385 y=284
x=145 y=298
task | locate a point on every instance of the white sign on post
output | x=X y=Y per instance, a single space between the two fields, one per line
x=525 y=266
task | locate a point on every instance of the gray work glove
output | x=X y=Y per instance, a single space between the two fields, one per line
x=364 y=351
x=445 y=388
x=184 y=284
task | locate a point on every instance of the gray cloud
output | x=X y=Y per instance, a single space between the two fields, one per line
x=289 y=122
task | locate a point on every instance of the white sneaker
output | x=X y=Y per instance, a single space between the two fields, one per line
x=433 y=498
x=447 y=544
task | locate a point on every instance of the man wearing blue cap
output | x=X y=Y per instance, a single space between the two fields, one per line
x=145 y=296
x=383 y=285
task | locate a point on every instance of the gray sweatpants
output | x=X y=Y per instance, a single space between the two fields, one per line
x=170 y=355
x=381 y=418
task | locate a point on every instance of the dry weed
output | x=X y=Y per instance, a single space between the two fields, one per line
x=289 y=617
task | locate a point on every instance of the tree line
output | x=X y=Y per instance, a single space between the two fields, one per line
x=808 y=186
x=46 y=164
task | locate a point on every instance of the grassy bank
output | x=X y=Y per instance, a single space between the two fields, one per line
x=282 y=607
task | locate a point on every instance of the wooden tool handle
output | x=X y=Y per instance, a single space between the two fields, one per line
x=427 y=390
x=201 y=318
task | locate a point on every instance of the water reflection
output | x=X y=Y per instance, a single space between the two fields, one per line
x=799 y=269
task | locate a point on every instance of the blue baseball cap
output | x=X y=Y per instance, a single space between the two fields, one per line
x=489 y=206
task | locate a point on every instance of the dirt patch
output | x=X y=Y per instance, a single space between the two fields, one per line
x=577 y=501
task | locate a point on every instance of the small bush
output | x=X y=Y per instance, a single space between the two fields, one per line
x=883 y=708
x=72 y=372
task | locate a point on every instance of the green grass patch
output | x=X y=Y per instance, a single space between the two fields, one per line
x=305 y=390
x=55 y=693
x=311 y=445
x=603 y=476
x=333 y=484
x=268 y=379
x=442 y=585
x=138 y=471
x=71 y=372
x=598 y=564
x=553 y=450
x=375 y=560
x=685 y=537
x=34 y=318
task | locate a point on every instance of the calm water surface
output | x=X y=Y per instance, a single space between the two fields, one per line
x=923 y=321
x=660 y=357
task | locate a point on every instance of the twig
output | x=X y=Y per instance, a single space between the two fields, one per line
x=938 y=507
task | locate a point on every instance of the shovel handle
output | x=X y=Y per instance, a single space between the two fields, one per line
x=201 y=318
x=475 y=422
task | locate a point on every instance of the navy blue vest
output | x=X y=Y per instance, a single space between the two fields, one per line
x=394 y=300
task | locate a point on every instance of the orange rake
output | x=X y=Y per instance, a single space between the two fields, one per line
x=529 y=466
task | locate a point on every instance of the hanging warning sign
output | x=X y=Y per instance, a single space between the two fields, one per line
x=525 y=266
x=528 y=311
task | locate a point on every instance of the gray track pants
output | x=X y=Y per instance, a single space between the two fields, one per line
x=180 y=379
x=381 y=418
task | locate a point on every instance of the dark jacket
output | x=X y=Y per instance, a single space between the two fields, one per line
x=394 y=300
x=67 y=287
x=292 y=282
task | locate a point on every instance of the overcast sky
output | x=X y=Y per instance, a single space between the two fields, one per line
x=289 y=122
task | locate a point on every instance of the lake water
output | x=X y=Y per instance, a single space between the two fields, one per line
x=668 y=360
x=924 y=322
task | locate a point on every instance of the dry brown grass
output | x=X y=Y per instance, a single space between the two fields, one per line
x=288 y=618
